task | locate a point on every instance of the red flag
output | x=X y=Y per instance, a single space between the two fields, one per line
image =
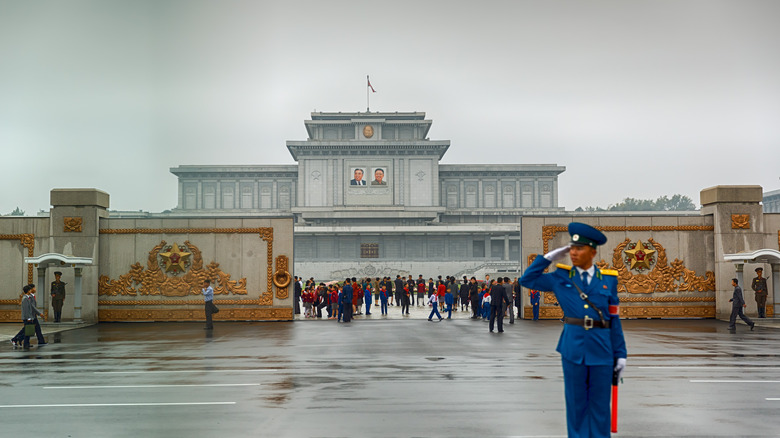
x=369 y=85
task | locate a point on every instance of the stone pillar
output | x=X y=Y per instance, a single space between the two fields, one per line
x=79 y=235
x=740 y=278
x=775 y=292
x=77 y=296
x=42 y=292
x=506 y=247
x=738 y=224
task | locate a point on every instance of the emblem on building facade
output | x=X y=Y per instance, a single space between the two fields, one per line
x=639 y=256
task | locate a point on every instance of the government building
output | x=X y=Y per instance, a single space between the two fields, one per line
x=369 y=197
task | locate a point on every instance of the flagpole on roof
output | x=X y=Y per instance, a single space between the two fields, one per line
x=368 y=82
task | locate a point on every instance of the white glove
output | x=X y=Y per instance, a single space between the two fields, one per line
x=558 y=254
x=620 y=366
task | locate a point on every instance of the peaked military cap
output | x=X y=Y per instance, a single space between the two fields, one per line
x=585 y=235
x=57 y=273
x=760 y=269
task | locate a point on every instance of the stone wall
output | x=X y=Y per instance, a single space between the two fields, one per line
x=148 y=269
x=154 y=268
x=677 y=279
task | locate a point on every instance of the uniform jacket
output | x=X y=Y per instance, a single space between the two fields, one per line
x=597 y=346
x=737 y=300
x=58 y=290
x=759 y=285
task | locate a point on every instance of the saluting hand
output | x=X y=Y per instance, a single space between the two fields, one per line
x=558 y=254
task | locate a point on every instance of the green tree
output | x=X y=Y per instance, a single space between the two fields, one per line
x=17 y=212
x=664 y=203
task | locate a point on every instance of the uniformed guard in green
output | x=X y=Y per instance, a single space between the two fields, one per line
x=57 y=295
x=759 y=286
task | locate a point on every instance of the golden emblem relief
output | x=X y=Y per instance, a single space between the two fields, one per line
x=639 y=256
x=740 y=221
x=72 y=224
x=368 y=131
x=153 y=281
x=174 y=259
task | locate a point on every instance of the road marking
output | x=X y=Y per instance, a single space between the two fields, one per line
x=150 y=386
x=93 y=405
x=734 y=381
x=718 y=367
x=186 y=371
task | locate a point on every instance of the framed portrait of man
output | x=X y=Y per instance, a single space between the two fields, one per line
x=379 y=177
x=358 y=177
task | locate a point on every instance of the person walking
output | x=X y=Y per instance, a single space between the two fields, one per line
x=759 y=287
x=30 y=315
x=592 y=345
x=433 y=301
x=208 y=298
x=737 y=303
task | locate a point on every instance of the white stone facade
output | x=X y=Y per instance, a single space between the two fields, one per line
x=376 y=179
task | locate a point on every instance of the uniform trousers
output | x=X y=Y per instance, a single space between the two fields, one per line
x=761 y=304
x=56 y=304
x=384 y=306
x=587 y=391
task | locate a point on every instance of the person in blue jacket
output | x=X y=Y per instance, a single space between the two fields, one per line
x=383 y=299
x=592 y=345
x=449 y=300
x=367 y=294
x=346 y=300
x=535 y=298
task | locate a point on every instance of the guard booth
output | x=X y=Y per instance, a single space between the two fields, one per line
x=756 y=259
x=60 y=261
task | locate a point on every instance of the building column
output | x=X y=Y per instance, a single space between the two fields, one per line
x=506 y=247
x=40 y=286
x=488 y=247
x=77 y=297
x=199 y=195
x=775 y=283
x=739 y=267
x=218 y=196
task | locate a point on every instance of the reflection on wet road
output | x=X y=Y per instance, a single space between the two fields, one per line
x=379 y=378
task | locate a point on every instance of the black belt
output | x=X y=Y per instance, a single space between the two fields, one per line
x=587 y=322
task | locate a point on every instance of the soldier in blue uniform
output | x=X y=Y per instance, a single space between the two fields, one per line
x=592 y=346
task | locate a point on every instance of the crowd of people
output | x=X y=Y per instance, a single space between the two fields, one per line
x=356 y=296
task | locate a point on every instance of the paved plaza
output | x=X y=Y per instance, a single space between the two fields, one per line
x=379 y=378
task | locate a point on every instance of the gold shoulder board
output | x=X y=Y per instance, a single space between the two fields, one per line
x=566 y=267
x=611 y=272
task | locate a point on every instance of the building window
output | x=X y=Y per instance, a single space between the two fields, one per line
x=478 y=250
x=369 y=250
x=246 y=197
x=209 y=197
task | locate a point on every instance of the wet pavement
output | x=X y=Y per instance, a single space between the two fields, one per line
x=384 y=378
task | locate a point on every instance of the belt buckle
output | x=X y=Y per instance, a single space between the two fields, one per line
x=588 y=322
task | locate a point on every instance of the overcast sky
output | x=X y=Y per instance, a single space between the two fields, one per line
x=636 y=99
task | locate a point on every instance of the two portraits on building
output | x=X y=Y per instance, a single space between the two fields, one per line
x=368 y=176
